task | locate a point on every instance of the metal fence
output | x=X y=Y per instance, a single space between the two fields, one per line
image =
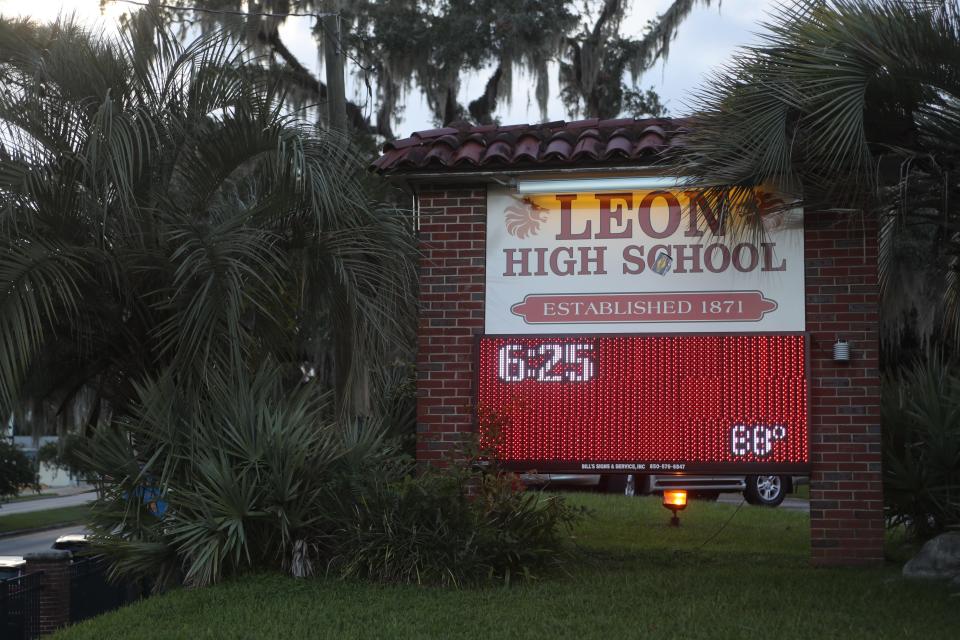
x=91 y=593
x=20 y=607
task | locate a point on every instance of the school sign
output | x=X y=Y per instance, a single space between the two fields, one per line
x=612 y=321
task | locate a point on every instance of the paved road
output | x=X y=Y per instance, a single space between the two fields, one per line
x=44 y=504
x=794 y=504
x=33 y=542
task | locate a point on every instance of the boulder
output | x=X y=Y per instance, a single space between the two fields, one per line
x=938 y=559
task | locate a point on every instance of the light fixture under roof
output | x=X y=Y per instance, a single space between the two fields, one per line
x=579 y=185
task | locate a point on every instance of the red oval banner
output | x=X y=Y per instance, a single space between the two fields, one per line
x=680 y=306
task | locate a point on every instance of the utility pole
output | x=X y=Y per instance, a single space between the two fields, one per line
x=333 y=58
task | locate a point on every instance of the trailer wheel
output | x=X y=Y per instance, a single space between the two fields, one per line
x=766 y=491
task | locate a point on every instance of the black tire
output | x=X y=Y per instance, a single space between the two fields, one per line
x=766 y=491
x=621 y=483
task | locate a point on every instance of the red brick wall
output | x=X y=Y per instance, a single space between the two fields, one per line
x=452 y=232
x=54 y=569
x=846 y=495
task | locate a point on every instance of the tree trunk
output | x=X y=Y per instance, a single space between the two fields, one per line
x=354 y=113
x=481 y=109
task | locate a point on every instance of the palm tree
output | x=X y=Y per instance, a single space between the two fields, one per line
x=161 y=210
x=852 y=106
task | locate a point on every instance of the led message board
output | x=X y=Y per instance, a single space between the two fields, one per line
x=647 y=404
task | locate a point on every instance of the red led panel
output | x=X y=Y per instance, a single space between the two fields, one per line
x=720 y=404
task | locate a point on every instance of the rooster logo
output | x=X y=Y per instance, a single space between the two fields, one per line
x=523 y=221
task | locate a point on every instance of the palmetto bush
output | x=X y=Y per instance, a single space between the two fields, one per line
x=240 y=473
x=921 y=448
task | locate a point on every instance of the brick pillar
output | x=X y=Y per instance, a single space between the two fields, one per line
x=842 y=295
x=54 y=567
x=451 y=300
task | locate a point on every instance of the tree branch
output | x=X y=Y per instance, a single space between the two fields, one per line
x=610 y=9
x=481 y=109
x=310 y=83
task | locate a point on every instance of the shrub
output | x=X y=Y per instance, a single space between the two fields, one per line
x=67 y=454
x=921 y=446
x=16 y=470
x=452 y=528
x=235 y=474
x=258 y=472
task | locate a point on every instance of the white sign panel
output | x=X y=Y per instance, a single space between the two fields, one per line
x=653 y=261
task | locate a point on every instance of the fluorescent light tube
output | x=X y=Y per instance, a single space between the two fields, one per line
x=578 y=185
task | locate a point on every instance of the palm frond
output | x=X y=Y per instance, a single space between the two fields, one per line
x=163 y=209
x=847 y=106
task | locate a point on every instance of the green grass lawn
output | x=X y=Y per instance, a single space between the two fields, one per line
x=47 y=518
x=635 y=578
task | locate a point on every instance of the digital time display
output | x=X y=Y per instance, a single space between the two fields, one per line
x=547 y=362
x=697 y=404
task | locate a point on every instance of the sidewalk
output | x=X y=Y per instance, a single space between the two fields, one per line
x=83 y=496
x=70 y=490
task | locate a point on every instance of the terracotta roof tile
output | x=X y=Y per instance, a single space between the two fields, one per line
x=527 y=149
x=414 y=157
x=499 y=151
x=435 y=133
x=441 y=154
x=462 y=146
x=450 y=141
x=469 y=153
x=579 y=124
x=619 y=145
x=558 y=149
x=648 y=143
x=588 y=146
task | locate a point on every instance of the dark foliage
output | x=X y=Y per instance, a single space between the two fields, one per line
x=850 y=106
x=921 y=446
x=68 y=453
x=17 y=471
x=210 y=480
x=452 y=528
x=242 y=473
x=160 y=207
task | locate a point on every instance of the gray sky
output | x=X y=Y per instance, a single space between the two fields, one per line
x=706 y=40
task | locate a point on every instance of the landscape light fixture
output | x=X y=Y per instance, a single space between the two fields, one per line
x=841 y=351
x=675 y=500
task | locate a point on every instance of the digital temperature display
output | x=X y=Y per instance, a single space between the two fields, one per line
x=647 y=404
